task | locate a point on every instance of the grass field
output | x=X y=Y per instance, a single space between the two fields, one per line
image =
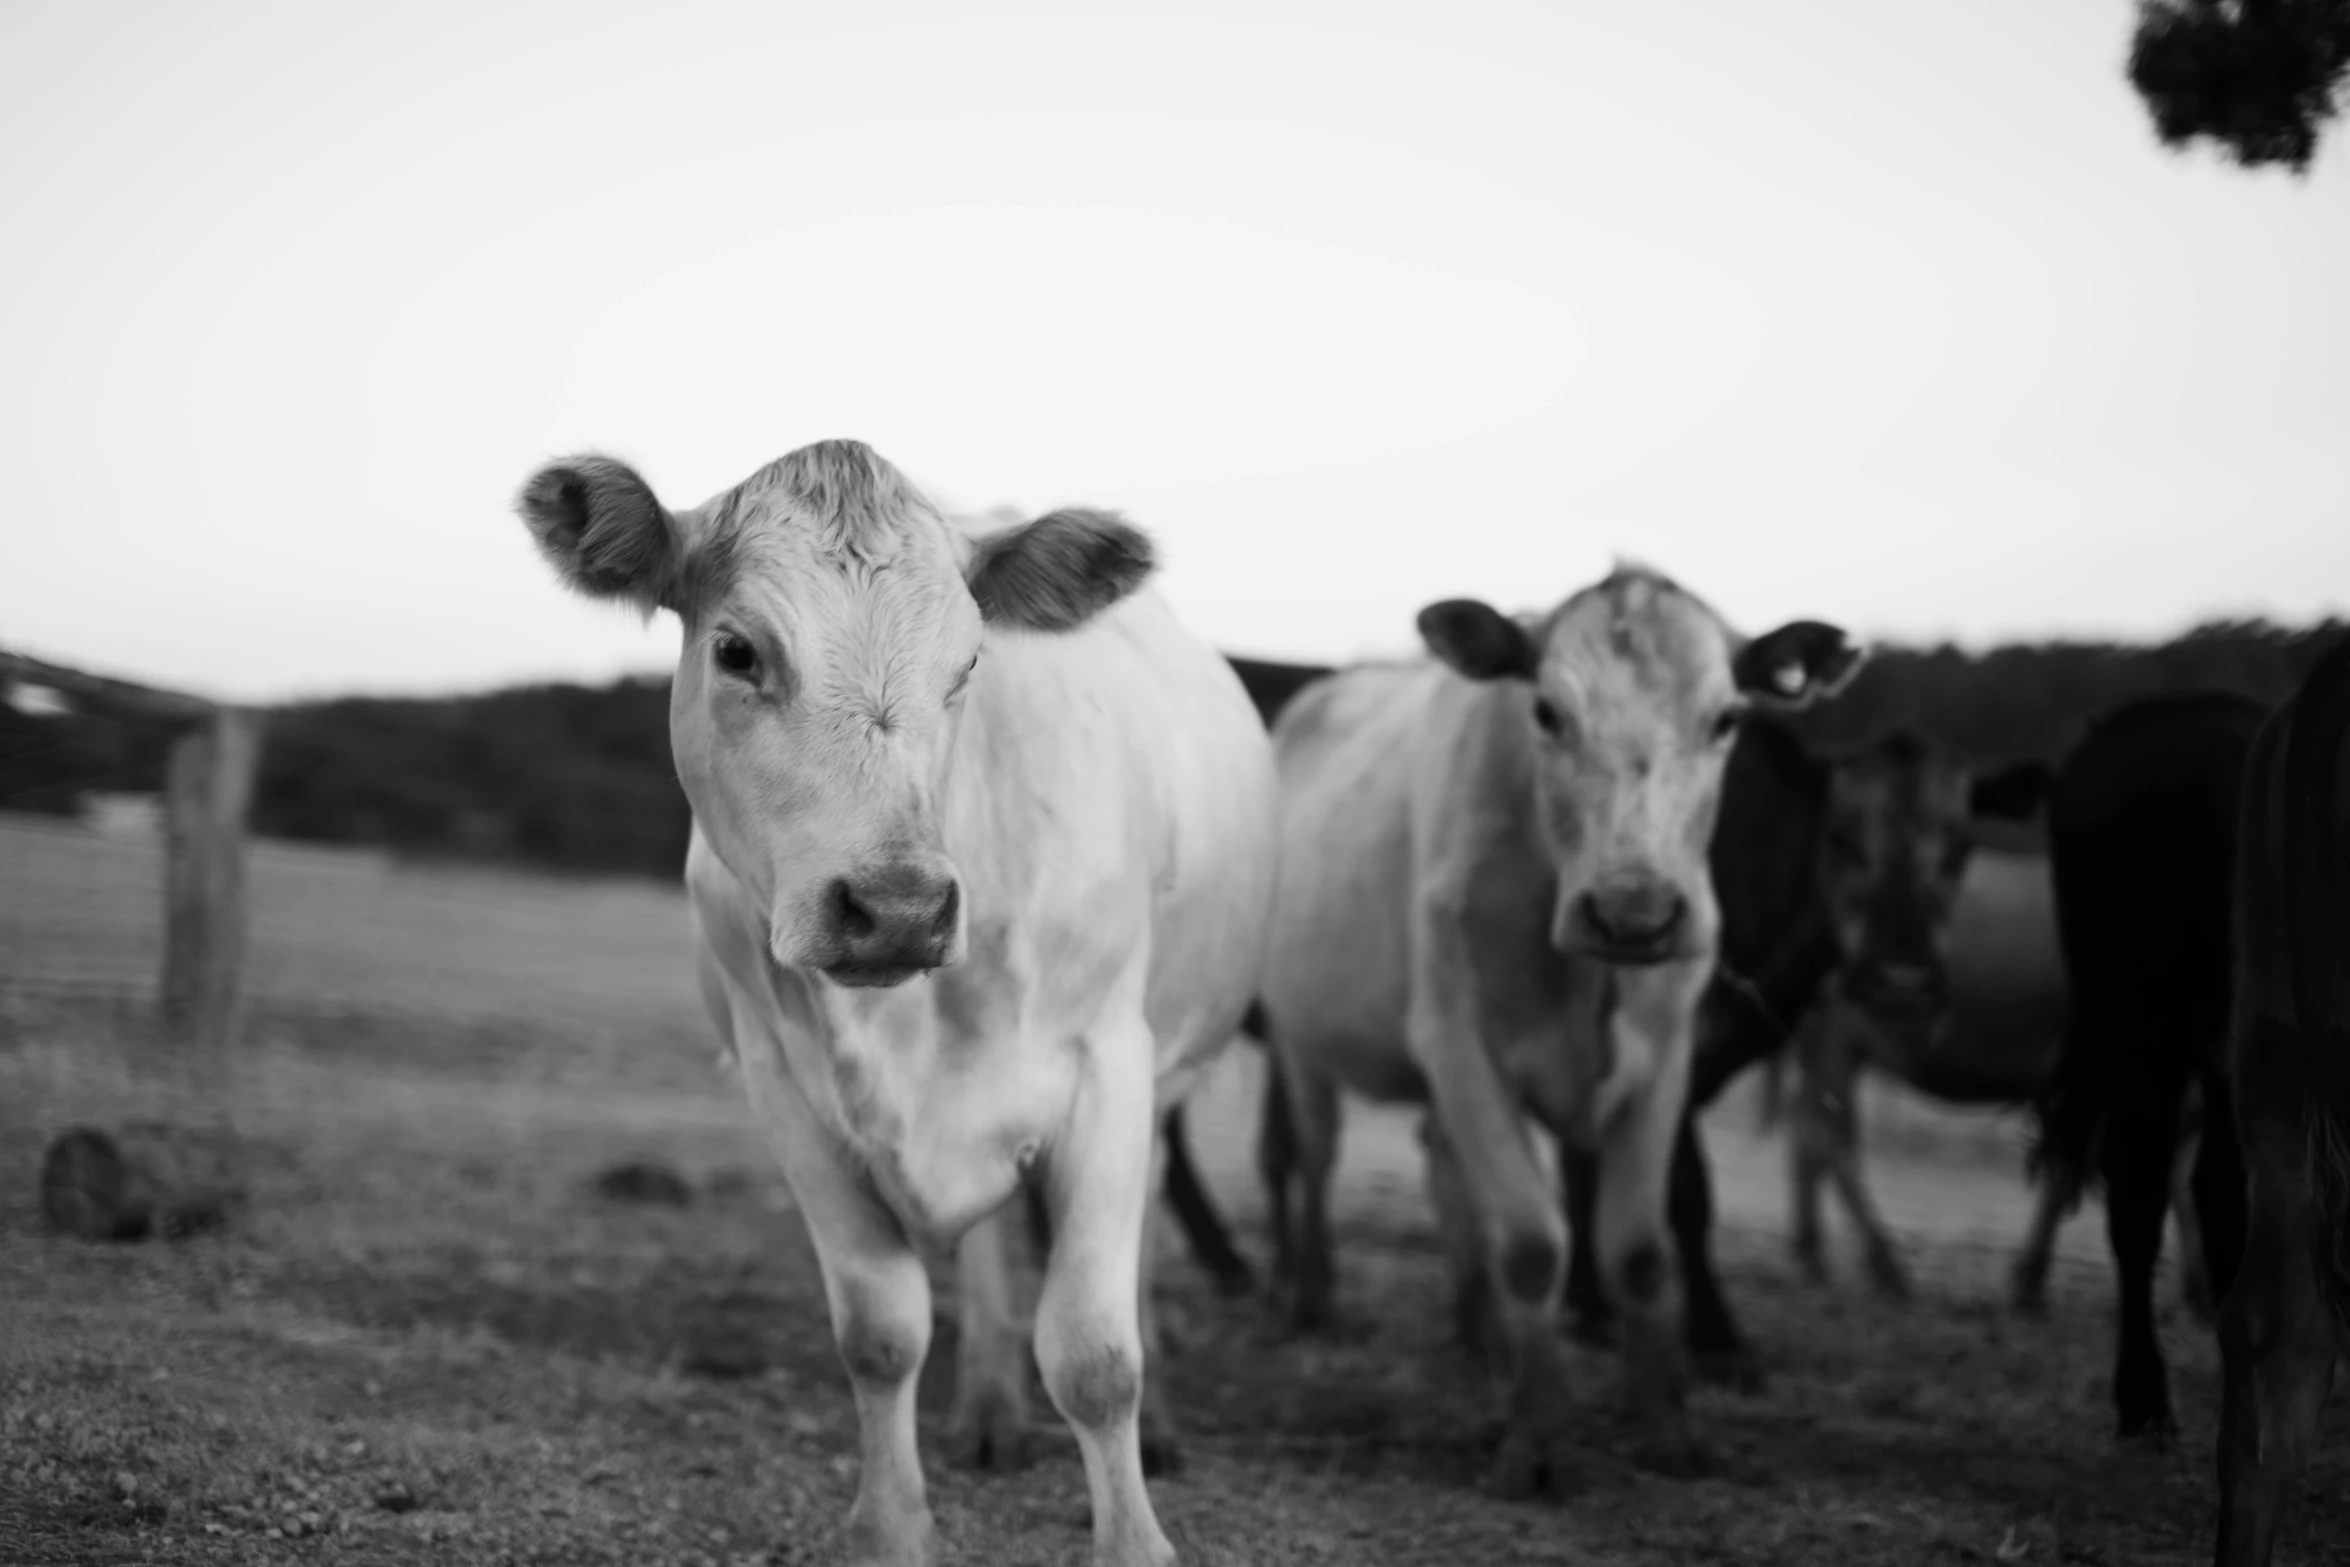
x=430 y=1341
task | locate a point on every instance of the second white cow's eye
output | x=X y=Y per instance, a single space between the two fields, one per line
x=735 y=655
x=1547 y=717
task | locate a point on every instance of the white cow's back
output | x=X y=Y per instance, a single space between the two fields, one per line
x=1338 y=966
x=1200 y=775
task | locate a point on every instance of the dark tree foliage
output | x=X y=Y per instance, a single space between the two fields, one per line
x=579 y=778
x=2028 y=700
x=48 y=763
x=561 y=776
x=2258 y=77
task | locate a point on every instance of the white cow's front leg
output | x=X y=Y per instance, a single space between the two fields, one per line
x=1652 y=1021
x=1088 y=1322
x=1484 y=1139
x=880 y=1299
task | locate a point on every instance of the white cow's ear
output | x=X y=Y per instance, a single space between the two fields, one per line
x=1057 y=572
x=1478 y=641
x=1801 y=663
x=601 y=528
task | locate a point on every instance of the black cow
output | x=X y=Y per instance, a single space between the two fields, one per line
x=1949 y=976
x=2142 y=832
x=1838 y=878
x=2289 y=1069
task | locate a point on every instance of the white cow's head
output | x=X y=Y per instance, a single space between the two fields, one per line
x=833 y=621
x=1631 y=692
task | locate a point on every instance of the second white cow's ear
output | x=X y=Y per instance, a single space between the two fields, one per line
x=599 y=525
x=1478 y=641
x=1803 y=662
x=1058 y=572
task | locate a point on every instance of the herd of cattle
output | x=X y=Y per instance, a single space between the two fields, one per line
x=992 y=857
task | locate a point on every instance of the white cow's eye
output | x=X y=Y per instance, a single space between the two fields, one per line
x=735 y=655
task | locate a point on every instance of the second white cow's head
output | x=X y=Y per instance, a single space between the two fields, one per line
x=1630 y=692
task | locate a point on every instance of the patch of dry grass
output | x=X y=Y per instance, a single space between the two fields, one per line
x=431 y=1342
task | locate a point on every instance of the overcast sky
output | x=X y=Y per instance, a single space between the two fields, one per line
x=1892 y=314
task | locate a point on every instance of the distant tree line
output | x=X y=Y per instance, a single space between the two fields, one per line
x=2034 y=699
x=578 y=778
x=49 y=762
x=562 y=776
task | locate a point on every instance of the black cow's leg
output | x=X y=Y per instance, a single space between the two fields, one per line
x=2141 y=1137
x=1810 y=1146
x=1477 y=1322
x=1591 y=1316
x=2186 y=1211
x=2220 y=1196
x=1313 y=1115
x=1719 y=1349
x=1203 y=1227
x=1884 y=1258
x=1277 y=1161
x=1707 y=1325
x=2276 y=1350
x=2056 y=1194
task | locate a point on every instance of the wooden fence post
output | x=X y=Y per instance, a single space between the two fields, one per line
x=205 y=917
x=184 y=1170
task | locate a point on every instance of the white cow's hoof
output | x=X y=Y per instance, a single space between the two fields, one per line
x=890 y=1542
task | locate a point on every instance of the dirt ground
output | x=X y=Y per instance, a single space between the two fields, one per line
x=431 y=1340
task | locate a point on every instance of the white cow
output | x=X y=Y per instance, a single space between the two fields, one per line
x=1495 y=899
x=982 y=861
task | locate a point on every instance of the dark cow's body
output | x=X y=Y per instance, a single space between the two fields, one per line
x=2142 y=832
x=1812 y=914
x=1949 y=975
x=2289 y=1067
x=1270 y=685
